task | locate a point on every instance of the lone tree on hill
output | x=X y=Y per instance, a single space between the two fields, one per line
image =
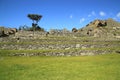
x=35 y=18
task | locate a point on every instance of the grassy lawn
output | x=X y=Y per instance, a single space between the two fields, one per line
x=100 y=67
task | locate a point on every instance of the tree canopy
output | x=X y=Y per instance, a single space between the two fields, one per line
x=34 y=17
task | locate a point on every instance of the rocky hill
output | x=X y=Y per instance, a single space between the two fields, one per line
x=101 y=28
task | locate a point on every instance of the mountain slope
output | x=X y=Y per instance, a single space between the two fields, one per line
x=101 y=28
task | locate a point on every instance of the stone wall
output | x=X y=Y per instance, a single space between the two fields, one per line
x=37 y=34
x=59 y=49
x=65 y=53
x=53 y=46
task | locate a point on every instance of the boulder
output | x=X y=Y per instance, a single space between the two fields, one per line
x=7 y=31
x=100 y=23
x=74 y=30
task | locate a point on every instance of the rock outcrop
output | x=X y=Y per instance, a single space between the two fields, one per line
x=74 y=30
x=100 y=23
x=101 y=28
x=7 y=31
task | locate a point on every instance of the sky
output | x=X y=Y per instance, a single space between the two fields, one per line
x=57 y=14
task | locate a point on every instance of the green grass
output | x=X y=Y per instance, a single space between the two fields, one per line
x=100 y=67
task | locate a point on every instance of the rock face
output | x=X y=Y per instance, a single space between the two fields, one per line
x=100 y=23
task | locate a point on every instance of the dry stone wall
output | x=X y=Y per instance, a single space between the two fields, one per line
x=55 y=45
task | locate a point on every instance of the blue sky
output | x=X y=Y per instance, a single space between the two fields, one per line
x=57 y=14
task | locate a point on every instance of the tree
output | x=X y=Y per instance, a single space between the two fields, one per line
x=35 y=18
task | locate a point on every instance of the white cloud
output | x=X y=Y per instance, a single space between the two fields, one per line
x=102 y=13
x=89 y=15
x=92 y=14
x=71 y=16
x=118 y=15
x=82 y=20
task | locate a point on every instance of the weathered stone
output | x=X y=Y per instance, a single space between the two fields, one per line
x=118 y=51
x=74 y=30
x=100 y=23
x=67 y=48
x=83 y=47
x=78 y=45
